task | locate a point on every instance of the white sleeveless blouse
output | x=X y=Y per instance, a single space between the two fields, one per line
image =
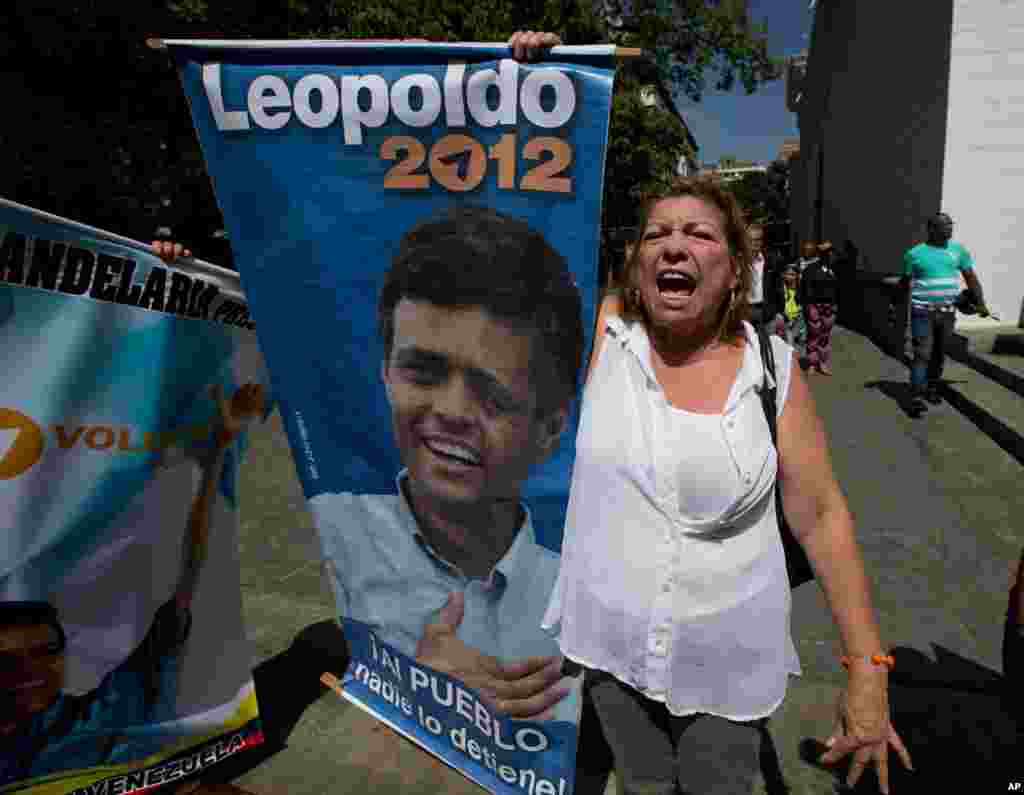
x=672 y=576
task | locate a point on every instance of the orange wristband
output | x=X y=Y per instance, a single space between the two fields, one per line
x=224 y=438
x=875 y=659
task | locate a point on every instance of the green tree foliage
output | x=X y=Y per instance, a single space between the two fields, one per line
x=764 y=197
x=435 y=20
x=698 y=39
x=751 y=191
x=644 y=146
x=102 y=133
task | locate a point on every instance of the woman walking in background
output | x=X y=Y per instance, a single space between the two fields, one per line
x=819 y=294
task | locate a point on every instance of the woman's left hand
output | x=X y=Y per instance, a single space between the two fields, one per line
x=863 y=728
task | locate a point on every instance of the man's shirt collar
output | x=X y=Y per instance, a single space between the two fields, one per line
x=511 y=564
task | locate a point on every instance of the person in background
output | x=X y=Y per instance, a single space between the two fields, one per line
x=808 y=256
x=758 y=315
x=819 y=297
x=931 y=272
x=790 y=323
x=774 y=296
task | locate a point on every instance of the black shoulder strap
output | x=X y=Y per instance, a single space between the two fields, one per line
x=798 y=567
x=768 y=391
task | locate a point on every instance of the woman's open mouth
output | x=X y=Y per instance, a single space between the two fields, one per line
x=675 y=284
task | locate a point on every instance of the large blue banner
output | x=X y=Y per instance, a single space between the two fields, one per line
x=126 y=392
x=417 y=229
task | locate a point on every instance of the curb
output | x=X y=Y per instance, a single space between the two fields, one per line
x=1003 y=435
x=961 y=352
x=1009 y=440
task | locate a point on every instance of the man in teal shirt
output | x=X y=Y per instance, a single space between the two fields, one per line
x=932 y=271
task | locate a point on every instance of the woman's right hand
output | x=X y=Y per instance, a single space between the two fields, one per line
x=527 y=44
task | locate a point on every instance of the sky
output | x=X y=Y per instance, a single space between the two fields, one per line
x=752 y=127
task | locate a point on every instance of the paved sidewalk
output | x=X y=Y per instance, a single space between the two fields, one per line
x=938 y=509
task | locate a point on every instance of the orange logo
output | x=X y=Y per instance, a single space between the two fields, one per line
x=30 y=439
x=28 y=444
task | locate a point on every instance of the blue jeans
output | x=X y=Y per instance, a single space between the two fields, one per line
x=930 y=330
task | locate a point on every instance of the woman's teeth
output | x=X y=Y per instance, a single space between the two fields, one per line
x=676 y=282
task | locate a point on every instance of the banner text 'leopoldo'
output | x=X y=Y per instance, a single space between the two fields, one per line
x=543 y=101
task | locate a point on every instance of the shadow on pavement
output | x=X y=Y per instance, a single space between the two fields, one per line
x=286 y=685
x=952 y=713
x=899 y=392
x=998 y=431
x=771 y=767
x=594 y=762
x=953 y=716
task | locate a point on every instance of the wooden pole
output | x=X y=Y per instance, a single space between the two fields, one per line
x=621 y=53
x=332 y=682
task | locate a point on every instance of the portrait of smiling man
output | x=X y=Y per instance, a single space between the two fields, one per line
x=481 y=325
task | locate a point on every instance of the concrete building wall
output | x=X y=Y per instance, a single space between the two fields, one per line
x=983 y=182
x=872 y=125
x=803 y=192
